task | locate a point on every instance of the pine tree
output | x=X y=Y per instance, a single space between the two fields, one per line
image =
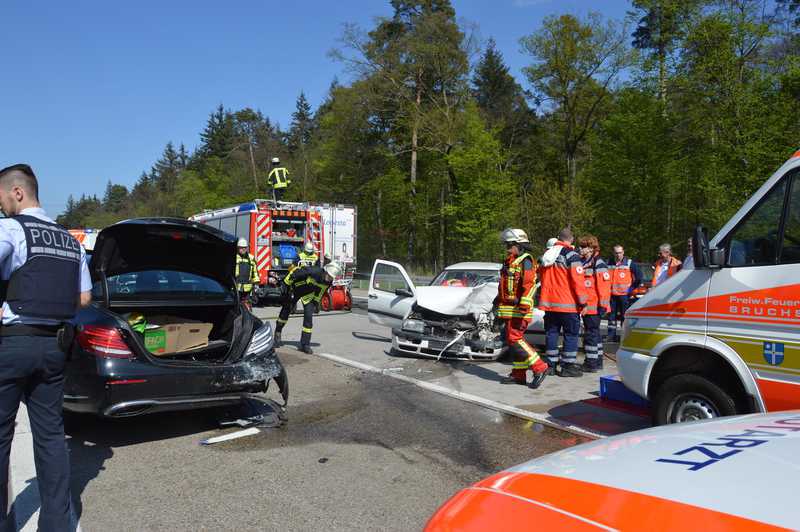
x=218 y=137
x=299 y=136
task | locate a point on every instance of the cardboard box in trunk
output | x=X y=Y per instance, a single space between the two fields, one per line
x=164 y=335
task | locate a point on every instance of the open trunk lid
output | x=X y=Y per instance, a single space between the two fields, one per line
x=164 y=244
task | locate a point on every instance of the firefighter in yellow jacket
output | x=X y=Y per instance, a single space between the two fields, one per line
x=515 y=306
x=278 y=179
x=246 y=272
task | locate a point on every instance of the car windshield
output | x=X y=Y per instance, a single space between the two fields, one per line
x=466 y=277
x=161 y=283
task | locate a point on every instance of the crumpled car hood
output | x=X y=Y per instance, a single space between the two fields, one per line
x=457 y=300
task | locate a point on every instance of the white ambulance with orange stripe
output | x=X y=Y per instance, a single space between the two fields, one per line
x=731 y=474
x=724 y=338
x=278 y=231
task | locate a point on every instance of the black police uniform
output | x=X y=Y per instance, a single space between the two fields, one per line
x=41 y=294
x=307 y=285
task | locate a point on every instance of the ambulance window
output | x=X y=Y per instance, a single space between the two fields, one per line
x=790 y=248
x=755 y=241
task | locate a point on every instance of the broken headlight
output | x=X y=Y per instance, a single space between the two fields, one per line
x=261 y=341
x=416 y=326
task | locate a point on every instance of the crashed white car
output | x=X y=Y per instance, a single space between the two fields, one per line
x=450 y=318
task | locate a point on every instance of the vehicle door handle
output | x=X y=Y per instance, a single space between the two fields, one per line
x=373 y=296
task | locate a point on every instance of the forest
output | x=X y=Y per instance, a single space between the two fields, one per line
x=633 y=130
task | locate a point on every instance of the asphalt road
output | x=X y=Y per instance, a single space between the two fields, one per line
x=359 y=452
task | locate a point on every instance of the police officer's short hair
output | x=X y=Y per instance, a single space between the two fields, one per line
x=23 y=176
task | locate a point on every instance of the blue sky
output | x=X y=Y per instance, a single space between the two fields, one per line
x=94 y=89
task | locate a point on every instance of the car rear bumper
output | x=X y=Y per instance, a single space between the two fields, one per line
x=416 y=344
x=141 y=389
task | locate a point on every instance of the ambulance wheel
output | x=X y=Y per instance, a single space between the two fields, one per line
x=325 y=302
x=688 y=397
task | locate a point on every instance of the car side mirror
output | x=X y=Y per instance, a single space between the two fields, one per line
x=717 y=258
x=403 y=292
x=700 y=254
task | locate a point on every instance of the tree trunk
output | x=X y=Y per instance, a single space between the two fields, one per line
x=442 y=224
x=572 y=171
x=412 y=218
x=662 y=79
x=379 y=223
x=253 y=165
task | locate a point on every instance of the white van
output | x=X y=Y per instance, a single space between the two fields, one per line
x=724 y=337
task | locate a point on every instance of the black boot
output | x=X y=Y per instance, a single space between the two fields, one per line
x=305 y=348
x=277 y=341
x=570 y=370
x=589 y=365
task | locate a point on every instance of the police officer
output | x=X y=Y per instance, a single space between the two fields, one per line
x=307 y=285
x=278 y=179
x=44 y=280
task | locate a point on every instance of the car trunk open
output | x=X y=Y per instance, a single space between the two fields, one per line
x=172 y=271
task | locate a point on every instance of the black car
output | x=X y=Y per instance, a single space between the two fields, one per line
x=153 y=268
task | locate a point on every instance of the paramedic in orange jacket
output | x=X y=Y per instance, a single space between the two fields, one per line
x=515 y=306
x=597 y=281
x=666 y=266
x=562 y=298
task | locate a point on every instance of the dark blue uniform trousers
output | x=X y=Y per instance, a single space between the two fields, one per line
x=32 y=369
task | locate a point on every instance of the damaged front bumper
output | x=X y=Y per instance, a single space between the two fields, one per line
x=455 y=348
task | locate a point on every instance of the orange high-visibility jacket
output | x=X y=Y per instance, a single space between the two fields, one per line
x=563 y=288
x=621 y=277
x=517 y=282
x=597 y=280
x=672 y=268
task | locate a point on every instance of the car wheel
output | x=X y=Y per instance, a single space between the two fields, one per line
x=688 y=397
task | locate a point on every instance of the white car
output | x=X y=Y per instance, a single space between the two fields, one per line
x=450 y=318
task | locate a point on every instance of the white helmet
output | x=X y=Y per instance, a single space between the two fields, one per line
x=243 y=243
x=309 y=247
x=551 y=242
x=333 y=269
x=275 y=160
x=514 y=235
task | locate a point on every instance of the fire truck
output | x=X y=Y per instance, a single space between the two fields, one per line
x=276 y=233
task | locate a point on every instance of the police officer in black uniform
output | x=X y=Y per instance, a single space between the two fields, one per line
x=307 y=285
x=44 y=280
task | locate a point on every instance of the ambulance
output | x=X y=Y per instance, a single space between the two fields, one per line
x=726 y=474
x=724 y=338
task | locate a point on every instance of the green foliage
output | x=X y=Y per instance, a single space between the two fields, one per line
x=636 y=149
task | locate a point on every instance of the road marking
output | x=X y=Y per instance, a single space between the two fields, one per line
x=469 y=398
x=24 y=490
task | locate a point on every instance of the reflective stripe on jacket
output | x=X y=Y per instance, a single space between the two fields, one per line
x=307 y=259
x=563 y=287
x=246 y=272
x=279 y=177
x=673 y=267
x=308 y=283
x=621 y=277
x=517 y=283
x=597 y=281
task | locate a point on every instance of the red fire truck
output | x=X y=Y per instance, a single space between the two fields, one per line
x=277 y=232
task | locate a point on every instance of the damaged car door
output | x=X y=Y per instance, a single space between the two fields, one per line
x=391 y=294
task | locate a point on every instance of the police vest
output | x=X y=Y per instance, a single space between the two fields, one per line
x=621 y=278
x=47 y=286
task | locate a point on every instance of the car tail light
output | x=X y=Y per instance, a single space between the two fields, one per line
x=105 y=342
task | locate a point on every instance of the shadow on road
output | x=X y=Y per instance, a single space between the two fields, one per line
x=92 y=440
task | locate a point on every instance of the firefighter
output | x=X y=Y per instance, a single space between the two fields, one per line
x=666 y=266
x=625 y=278
x=278 y=179
x=597 y=281
x=308 y=257
x=562 y=298
x=515 y=307
x=246 y=272
x=307 y=285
